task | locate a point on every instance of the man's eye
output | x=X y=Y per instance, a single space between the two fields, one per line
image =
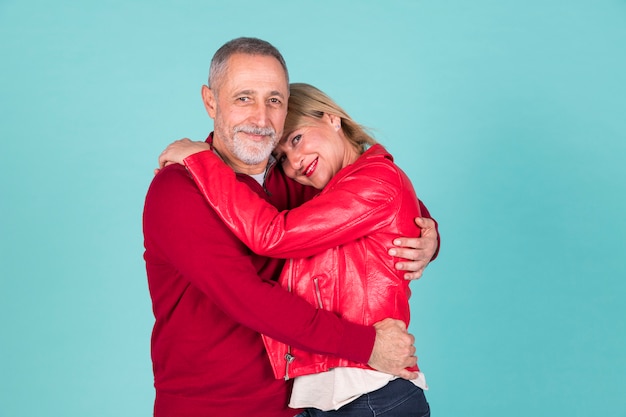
x=275 y=100
x=244 y=99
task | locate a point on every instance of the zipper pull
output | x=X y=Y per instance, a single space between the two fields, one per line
x=289 y=358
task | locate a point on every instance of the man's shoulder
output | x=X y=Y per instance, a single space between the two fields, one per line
x=171 y=174
x=174 y=201
x=173 y=181
x=173 y=192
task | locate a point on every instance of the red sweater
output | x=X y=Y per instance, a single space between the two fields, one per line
x=212 y=297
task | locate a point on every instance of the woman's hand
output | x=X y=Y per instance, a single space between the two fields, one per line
x=418 y=251
x=177 y=151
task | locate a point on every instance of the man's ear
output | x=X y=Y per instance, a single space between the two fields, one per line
x=208 y=97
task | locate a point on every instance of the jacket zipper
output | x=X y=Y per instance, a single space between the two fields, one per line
x=288 y=359
x=318 y=293
x=288 y=356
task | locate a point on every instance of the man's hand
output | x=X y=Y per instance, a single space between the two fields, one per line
x=177 y=151
x=417 y=250
x=393 y=349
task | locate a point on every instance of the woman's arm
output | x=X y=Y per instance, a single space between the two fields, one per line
x=328 y=220
x=415 y=252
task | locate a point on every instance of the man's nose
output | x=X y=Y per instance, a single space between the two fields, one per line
x=260 y=115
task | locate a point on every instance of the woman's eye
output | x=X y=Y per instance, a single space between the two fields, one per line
x=296 y=139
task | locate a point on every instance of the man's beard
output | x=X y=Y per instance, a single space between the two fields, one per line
x=250 y=152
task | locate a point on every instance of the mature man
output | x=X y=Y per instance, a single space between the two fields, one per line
x=211 y=295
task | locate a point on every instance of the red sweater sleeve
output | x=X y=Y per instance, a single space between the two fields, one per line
x=183 y=232
x=349 y=208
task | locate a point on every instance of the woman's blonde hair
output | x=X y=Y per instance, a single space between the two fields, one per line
x=306 y=101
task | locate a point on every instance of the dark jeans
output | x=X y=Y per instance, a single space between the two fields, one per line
x=399 y=398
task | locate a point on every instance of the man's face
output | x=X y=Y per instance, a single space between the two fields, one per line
x=249 y=106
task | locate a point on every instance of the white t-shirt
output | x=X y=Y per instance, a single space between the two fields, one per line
x=335 y=388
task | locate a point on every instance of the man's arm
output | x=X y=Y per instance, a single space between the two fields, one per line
x=188 y=234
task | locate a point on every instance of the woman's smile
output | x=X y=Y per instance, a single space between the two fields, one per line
x=311 y=168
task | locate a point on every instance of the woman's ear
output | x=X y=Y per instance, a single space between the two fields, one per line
x=208 y=97
x=335 y=121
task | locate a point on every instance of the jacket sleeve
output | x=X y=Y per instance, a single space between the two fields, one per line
x=349 y=208
x=183 y=234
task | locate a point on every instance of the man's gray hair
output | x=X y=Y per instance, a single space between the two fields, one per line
x=249 y=46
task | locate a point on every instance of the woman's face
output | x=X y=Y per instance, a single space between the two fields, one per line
x=314 y=153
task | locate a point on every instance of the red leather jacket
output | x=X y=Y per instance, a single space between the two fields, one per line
x=337 y=242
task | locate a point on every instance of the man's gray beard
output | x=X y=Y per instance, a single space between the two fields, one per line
x=252 y=153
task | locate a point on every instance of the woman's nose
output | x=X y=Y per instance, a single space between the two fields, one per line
x=295 y=161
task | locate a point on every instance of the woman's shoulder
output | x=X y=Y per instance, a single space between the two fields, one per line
x=377 y=151
x=378 y=158
x=375 y=167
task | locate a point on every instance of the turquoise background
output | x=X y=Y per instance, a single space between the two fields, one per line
x=509 y=116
